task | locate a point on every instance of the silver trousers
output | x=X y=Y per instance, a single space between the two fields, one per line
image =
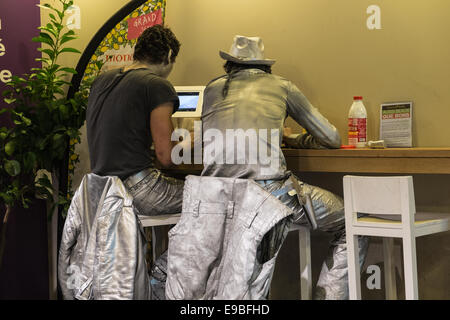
x=154 y=193
x=329 y=215
x=226 y=242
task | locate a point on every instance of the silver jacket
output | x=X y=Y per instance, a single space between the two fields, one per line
x=258 y=100
x=102 y=252
x=226 y=242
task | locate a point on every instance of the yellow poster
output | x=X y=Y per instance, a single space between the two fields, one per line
x=116 y=49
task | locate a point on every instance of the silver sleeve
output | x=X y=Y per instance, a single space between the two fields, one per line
x=320 y=132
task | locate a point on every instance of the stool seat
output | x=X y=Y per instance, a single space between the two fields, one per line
x=421 y=218
x=159 y=220
x=425 y=223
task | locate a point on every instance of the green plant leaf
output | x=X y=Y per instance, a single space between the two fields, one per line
x=42 y=143
x=49 y=52
x=62 y=82
x=25 y=202
x=52 y=8
x=53 y=68
x=22 y=118
x=60 y=129
x=66 y=39
x=16 y=184
x=44 y=182
x=69 y=70
x=58 y=26
x=44 y=187
x=7 y=198
x=29 y=161
x=64 y=111
x=9 y=101
x=49 y=28
x=62 y=200
x=45 y=60
x=45 y=35
x=42 y=191
x=12 y=167
x=69 y=33
x=69 y=50
x=59 y=145
x=10 y=147
x=45 y=38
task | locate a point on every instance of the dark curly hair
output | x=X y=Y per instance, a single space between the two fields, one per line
x=154 y=45
x=231 y=68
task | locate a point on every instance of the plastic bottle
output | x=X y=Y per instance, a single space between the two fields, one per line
x=357 y=123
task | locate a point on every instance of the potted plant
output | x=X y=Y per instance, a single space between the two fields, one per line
x=45 y=120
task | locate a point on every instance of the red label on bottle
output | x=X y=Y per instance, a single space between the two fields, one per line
x=357 y=130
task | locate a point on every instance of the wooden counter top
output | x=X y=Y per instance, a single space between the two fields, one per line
x=364 y=160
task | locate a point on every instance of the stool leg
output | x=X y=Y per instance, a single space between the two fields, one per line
x=389 y=269
x=305 y=263
x=354 y=277
x=410 y=267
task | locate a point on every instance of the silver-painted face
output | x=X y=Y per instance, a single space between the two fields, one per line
x=166 y=69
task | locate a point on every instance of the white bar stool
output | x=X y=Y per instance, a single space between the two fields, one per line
x=392 y=198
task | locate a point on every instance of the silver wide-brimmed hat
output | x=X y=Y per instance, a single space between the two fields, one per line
x=246 y=50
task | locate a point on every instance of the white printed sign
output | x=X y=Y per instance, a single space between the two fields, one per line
x=396 y=124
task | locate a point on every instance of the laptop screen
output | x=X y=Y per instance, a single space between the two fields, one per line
x=188 y=101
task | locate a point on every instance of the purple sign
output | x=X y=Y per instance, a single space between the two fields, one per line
x=18 y=25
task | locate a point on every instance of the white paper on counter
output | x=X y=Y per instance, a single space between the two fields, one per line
x=396 y=124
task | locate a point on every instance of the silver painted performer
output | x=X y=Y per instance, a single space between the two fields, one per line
x=129 y=109
x=249 y=96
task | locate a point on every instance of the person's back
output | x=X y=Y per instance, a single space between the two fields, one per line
x=130 y=108
x=255 y=106
x=255 y=103
x=118 y=120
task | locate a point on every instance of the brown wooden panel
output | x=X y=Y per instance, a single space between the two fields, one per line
x=369 y=165
x=377 y=153
x=390 y=160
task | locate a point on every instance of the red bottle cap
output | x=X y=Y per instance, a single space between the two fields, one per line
x=357 y=98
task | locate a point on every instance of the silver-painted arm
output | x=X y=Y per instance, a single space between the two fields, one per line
x=320 y=134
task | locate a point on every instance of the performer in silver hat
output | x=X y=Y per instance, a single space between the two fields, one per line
x=249 y=96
